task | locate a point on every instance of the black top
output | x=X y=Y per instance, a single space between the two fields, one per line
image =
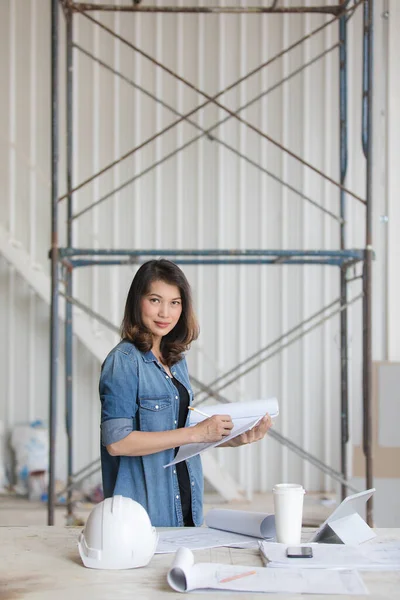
x=181 y=468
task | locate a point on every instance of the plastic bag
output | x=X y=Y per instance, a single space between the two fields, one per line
x=31 y=446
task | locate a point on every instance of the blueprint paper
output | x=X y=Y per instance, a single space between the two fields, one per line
x=189 y=450
x=198 y=538
x=245 y=416
x=185 y=576
x=256 y=524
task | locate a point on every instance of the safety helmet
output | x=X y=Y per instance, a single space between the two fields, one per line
x=118 y=535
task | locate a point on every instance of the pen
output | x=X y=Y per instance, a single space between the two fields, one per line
x=239 y=576
x=199 y=412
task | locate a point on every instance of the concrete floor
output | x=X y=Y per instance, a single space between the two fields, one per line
x=18 y=511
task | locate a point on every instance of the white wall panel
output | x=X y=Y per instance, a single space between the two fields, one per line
x=202 y=197
x=393 y=82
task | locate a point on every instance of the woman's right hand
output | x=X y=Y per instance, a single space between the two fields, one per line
x=213 y=429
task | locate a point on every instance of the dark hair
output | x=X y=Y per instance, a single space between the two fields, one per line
x=185 y=331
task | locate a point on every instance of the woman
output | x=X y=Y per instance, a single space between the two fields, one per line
x=145 y=393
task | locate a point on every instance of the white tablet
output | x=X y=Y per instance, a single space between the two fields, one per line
x=350 y=505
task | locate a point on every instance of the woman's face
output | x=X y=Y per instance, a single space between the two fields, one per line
x=161 y=308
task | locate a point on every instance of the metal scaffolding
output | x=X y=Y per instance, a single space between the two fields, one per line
x=65 y=259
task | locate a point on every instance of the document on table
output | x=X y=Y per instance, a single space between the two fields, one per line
x=383 y=553
x=239 y=528
x=198 y=538
x=332 y=556
x=185 y=576
x=245 y=416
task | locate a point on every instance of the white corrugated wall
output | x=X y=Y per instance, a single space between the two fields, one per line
x=203 y=197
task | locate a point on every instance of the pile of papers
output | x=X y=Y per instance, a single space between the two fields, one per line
x=225 y=527
x=185 y=576
x=333 y=569
x=373 y=556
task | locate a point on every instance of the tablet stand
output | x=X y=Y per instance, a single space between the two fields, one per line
x=351 y=530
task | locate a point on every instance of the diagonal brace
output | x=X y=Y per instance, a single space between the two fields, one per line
x=221 y=106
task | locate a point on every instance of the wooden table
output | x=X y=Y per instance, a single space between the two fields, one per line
x=43 y=563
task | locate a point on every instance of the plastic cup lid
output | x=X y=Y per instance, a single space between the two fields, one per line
x=288 y=487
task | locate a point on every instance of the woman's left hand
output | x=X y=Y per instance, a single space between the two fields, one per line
x=253 y=435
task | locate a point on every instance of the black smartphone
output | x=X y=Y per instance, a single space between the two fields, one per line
x=299 y=552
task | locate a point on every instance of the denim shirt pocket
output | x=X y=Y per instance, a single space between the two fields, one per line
x=155 y=413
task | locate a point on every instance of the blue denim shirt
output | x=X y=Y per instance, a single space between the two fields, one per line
x=138 y=395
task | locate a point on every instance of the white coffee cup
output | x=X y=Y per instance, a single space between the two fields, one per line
x=288 y=508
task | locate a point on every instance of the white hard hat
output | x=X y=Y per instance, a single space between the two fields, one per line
x=118 y=535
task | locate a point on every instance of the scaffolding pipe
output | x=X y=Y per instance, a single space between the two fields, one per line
x=367 y=272
x=333 y=262
x=344 y=400
x=272 y=9
x=54 y=262
x=350 y=254
x=69 y=272
x=365 y=84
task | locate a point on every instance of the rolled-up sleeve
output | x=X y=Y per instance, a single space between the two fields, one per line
x=118 y=392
